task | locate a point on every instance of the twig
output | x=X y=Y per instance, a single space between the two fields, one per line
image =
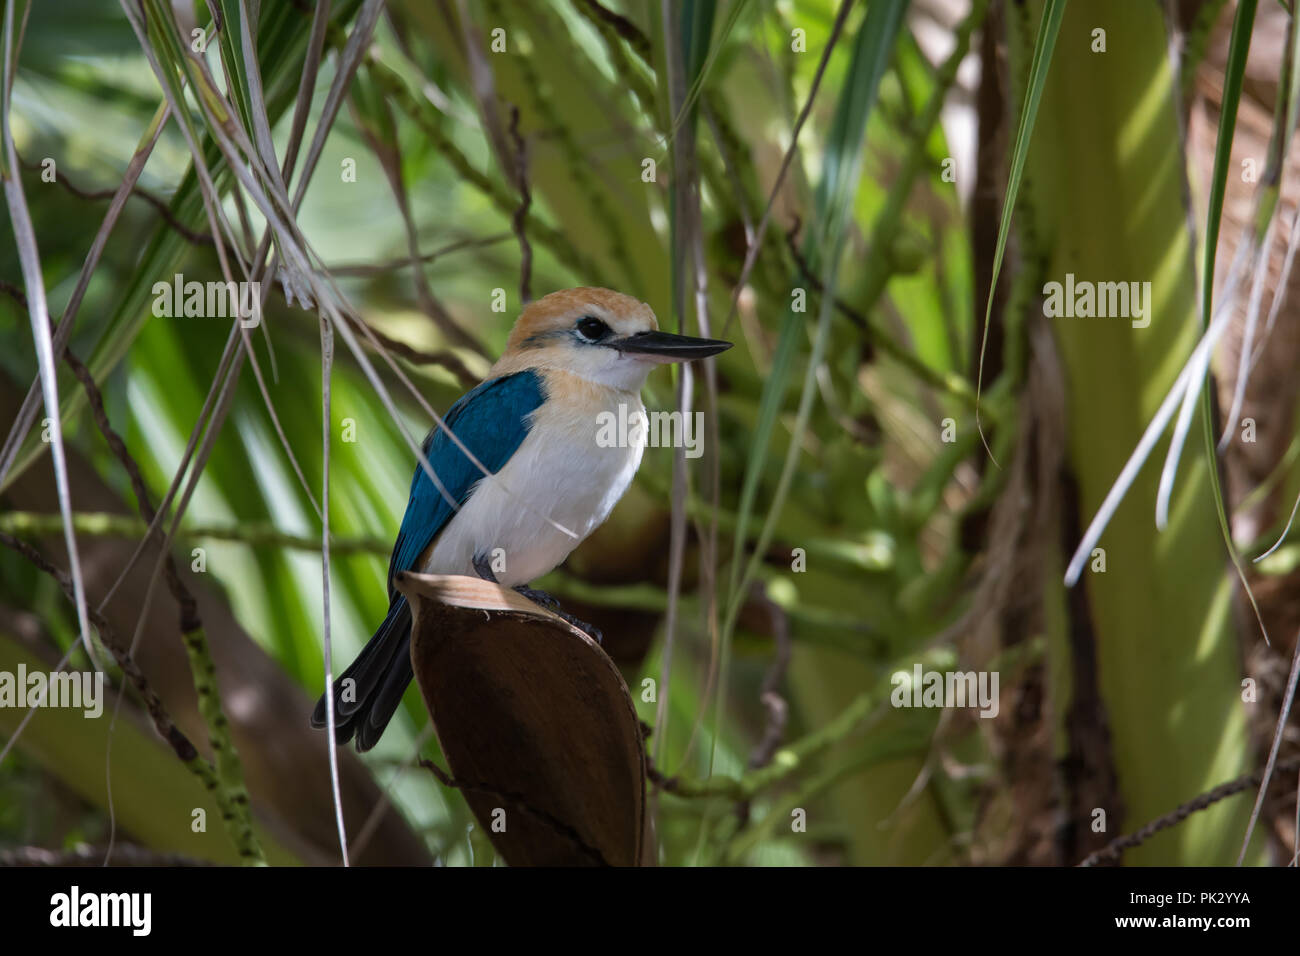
x=85 y=855
x=954 y=385
x=554 y=239
x=27 y=413
x=255 y=534
x=327 y=367
x=158 y=203
x=389 y=154
x=231 y=794
x=38 y=312
x=624 y=27
x=447 y=360
x=751 y=255
x=380 y=268
x=15 y=293
x=624 y=68
x=520 y=219
x=797 y=755
x=716 y=786
x=769 y=693
x=1113 y=849
x=721 y=141
x=162 y=721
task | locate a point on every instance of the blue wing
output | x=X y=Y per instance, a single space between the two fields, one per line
x=492 y=420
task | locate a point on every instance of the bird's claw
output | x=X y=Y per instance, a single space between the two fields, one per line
x=591 y=630
x=549 y=602
x=483 y=569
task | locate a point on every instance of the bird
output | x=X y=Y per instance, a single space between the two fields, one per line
x=546 y=482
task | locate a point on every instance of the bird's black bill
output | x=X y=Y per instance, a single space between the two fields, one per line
x=668 y=347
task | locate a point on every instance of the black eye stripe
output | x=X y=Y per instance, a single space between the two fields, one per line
x=591 y=328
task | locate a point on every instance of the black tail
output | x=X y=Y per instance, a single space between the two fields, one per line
x=379 y=677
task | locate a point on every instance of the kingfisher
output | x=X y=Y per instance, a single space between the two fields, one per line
x=545 y=482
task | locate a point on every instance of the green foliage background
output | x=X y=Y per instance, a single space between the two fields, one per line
x=859 y=374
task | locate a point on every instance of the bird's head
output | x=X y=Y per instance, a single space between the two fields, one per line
x=601 y=336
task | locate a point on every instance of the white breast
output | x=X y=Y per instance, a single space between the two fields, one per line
x=559 y=472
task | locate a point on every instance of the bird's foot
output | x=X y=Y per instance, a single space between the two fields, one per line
x=483 y=569
x=549 y=602
x=591 y=630
x=537 y=596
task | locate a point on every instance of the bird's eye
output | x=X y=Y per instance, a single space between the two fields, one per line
x=592 y=329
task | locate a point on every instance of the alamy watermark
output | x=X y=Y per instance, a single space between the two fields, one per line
x=208 y=300
x=624 y=429
x=78 y=690
x=1102 y=300
x=133 y=911
x=922 y=688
